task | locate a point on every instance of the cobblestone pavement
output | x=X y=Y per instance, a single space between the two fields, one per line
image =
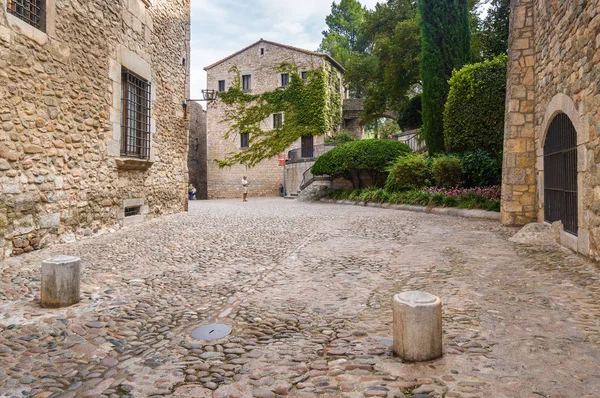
x=307 y=289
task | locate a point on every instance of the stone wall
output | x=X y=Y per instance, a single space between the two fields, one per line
x=61 y=174
x=260 y=61
x=197 y=154
x=554 y=68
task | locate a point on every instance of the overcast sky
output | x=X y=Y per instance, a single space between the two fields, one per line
x=222 y=27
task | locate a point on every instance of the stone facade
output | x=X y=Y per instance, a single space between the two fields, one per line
x=197 y=153
x=61 y=171
x=259 y=60
x=554 y=68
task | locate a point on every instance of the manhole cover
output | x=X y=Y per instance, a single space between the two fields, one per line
x=211 y=332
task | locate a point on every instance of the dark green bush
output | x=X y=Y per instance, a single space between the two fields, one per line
x=447 y=172
x=474 y=111
x=407 y=172
x=480 y=169
x=342 y=137
x=352 y=159
x=409 y=118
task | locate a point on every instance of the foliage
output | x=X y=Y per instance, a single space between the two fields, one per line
x=343 y=39
x=407 y=172
x=379 y=50
x=467 y=199
x=392 y=28
x=490 y=193
x=474 y=113
x=350 y=159
x=480 y=169
x=343 y=136
x=409 y=118
x=495 y=28
x=445 y=46
x=311 y=107
x=447 y=172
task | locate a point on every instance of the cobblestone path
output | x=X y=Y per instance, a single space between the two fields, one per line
x=307 y=289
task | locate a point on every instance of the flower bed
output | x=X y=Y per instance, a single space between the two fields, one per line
x=472 y=198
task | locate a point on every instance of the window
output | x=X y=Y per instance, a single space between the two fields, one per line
x=221 y=86
x=262 y=51
x=304 y=75
x=285 y=79
x=136 y=116
x=245 y=140
x=246 y=82
x=277 y=120
x=31 y=11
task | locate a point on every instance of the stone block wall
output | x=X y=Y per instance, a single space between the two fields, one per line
x=260 y=61
x=554 y=67
x=60 y=118
x=197 y=153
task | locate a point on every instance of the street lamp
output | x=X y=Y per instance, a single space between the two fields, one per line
x=207 y=95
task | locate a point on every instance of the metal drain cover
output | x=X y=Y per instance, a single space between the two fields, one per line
x=211 y=332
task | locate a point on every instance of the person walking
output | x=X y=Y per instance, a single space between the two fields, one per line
x=245 y=184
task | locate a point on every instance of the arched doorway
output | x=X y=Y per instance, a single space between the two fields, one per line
x=560 y=173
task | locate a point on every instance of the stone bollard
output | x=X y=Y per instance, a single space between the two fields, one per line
x=60 y=282
x=417 y=326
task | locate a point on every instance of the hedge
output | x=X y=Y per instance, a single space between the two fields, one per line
x=474 y=111
x=351 y=159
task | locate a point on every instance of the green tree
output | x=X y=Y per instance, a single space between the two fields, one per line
x=445 y=46
x=344 y=38
x=393 y=29
x=494 y=29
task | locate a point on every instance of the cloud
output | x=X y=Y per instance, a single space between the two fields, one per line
x=220 y=28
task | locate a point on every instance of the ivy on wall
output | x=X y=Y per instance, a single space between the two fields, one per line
x=311 y=107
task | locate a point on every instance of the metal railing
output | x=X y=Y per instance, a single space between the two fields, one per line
x=414 y=141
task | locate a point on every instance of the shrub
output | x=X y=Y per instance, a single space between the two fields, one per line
x=350 y=159
x=342 y=137
x=447 y=172
x=474 y=111
x=407 y=172
x=409 y=118
x=480 y=169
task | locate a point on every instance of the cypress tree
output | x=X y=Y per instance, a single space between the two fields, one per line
x=445 y=45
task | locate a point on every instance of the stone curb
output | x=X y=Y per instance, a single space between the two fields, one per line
x=448 y=211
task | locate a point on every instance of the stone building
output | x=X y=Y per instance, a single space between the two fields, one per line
x=197 y=153
x=552 y=134
x=257 y=64
x=93 y=132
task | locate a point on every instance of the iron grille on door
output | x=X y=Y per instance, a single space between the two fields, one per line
x=560 y=173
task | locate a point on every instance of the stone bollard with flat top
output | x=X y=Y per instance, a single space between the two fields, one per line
x=417 y=326
x=60 y=282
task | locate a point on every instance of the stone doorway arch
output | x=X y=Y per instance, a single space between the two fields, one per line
x=563 y=104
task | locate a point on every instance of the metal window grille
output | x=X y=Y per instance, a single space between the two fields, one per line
x=132 y=211
x=31 y=11
x=277 y=120
x=221 y=85
x=245 y=140
x=246 y=82
x=136 y=116
x=285 y=79
x=307 y=146
x=560 y=173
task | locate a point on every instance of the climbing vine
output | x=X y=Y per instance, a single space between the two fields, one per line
x=310 y=107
